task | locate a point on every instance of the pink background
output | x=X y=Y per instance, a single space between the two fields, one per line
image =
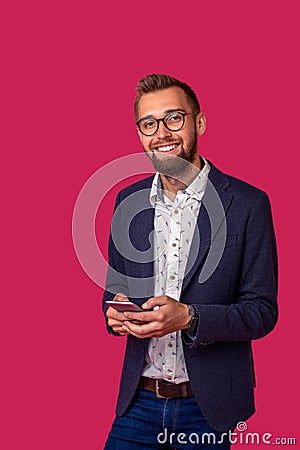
x=69 y=71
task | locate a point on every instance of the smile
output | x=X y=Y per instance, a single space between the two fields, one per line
x=166 y=148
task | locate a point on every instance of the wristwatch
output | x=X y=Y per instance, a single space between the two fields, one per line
x=193 y=323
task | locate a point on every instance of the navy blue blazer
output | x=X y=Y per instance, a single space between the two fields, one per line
x=236 y=303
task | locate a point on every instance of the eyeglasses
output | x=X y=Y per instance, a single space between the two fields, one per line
x=173 y=121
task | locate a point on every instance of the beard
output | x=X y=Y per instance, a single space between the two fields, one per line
x=174 y=165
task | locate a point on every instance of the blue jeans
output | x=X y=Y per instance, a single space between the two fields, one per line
x=153 y=423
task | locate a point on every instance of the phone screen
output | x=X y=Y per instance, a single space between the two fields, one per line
x=124 y=306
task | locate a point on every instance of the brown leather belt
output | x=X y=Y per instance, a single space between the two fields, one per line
x=164 y=389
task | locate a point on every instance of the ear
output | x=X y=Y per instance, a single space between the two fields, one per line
x=200 y=123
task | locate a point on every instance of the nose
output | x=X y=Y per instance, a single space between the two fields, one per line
x=162 y=131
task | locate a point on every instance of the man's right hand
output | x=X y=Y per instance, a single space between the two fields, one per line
x=116 y=318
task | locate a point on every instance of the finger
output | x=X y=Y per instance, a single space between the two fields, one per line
x=120 y=331
x=120 y=297
x=157 y=301
x=114 y=323
x=143 y=335
x=139 y=330
x=112 y=313
x=149 y=316
x=117 y=326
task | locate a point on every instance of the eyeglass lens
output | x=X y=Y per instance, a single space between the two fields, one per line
x=172 y=121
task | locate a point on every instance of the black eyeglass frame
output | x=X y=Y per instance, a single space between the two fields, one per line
x=162 y=119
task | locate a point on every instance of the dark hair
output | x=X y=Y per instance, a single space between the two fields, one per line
x=157 y=82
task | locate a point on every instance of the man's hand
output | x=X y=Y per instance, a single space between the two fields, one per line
x=170 y=316
x=115 y=318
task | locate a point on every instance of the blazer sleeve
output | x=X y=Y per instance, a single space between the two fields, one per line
x=254 y=312
x=115 y=278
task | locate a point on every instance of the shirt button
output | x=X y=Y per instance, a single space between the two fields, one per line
x=176 y=211
x=174 y=244
x=169 y=377
x=172 y=277
x=170 y=345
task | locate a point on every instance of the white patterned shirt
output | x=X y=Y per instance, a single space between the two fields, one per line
x=174 y=225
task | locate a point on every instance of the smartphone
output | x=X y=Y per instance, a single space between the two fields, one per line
x=124 y=306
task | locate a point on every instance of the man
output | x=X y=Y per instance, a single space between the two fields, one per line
x=196 y=249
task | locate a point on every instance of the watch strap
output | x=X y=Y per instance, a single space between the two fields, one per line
x=193 y=324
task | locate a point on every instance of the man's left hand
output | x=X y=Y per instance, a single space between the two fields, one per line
x=170 y=316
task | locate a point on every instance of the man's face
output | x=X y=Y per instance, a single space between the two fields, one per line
x=182 y=143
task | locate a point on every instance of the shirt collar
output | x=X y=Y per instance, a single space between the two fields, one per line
x=156 y=190
x=195 y=190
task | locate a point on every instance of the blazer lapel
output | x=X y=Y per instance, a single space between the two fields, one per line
x=141 y=237
x=211 y=223
x=146 y=232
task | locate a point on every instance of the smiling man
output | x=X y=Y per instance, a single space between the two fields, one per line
x=188 y=375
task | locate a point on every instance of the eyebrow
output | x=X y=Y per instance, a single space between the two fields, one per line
x=167 y=111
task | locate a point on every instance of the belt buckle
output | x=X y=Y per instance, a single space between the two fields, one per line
x=157 y=390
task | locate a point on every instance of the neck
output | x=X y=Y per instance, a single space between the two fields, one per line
x=171 y=185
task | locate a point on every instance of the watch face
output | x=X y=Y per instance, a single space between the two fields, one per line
x=193 y=324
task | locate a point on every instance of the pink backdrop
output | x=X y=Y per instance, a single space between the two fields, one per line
x=70 y=70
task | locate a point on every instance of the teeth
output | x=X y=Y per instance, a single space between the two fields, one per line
x=167 y=148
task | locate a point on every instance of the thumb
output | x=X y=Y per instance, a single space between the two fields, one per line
x=155 y=302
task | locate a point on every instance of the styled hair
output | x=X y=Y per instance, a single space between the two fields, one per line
x=157 y=82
